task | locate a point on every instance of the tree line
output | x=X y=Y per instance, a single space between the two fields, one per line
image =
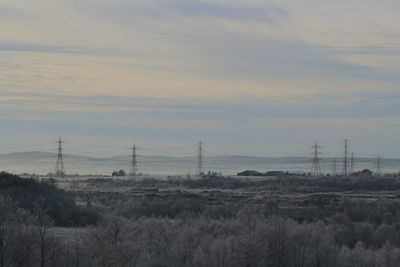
x=28 y=239
x=28 y=194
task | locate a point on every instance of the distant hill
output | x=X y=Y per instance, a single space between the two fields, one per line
x=36 y=155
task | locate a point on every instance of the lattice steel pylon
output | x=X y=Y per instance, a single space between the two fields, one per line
x=134 y=163
x=59 y=169
x=200 y=160
x=378 y=170
x=334 y=171
x=346 y=158
x=352 y=164
x=316 y=167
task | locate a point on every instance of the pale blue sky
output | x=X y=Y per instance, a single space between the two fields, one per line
x=253 y=77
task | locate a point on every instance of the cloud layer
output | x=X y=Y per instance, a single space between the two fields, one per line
x=250 y=77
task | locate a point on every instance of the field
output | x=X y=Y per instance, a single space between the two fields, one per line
x=303 y=199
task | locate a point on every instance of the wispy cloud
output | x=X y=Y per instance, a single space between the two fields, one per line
x=12 y=13
x=228 y=71
x=43 y=48
x=230 y=11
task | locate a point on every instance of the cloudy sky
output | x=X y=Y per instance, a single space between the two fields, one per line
x=250 y=77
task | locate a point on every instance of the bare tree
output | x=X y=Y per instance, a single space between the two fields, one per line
x=248 y=222
x=158 y=240
x=23 y=254
x=44 y=240
x=8 y=220
x=112 y=244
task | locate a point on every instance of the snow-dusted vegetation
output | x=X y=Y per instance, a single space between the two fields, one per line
x=212 y=221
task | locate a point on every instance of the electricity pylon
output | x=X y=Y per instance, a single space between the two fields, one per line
x=134 y=168
x=59 y=170
x=352 y=164
x=346 y=158
x=200 y=162
x=378 y=166
x=334 y=172
x=316 y=167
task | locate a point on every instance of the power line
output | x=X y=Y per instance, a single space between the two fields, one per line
x=60 y=169
x=200 y=161
x=316 y=167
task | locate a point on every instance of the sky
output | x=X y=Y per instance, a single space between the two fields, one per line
x=247 y=77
